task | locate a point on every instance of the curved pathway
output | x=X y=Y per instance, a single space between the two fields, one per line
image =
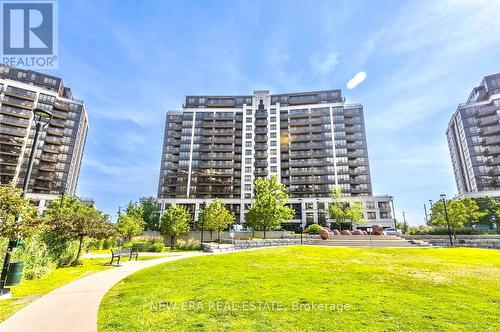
x=74 y=306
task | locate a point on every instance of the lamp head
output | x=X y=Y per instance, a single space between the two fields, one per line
x=44 y=116
x=443 y=196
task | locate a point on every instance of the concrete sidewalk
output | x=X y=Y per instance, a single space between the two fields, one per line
x=74 y=307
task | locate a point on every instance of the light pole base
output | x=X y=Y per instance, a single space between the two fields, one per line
x=5 y=294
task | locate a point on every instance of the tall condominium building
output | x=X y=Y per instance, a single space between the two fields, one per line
x=58 y=156
x=474 y=141
x=216 y=146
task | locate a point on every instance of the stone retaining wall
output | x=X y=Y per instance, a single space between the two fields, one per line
x=475 y=241
x=228 y=245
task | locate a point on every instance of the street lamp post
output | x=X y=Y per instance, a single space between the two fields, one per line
x=443 y=198
x=42 y=118
x=203 y=222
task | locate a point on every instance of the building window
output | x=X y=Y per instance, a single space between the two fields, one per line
x=273 y=119
x=274 y=152
x=274 y=143
x=274 y=169
x=248 y=135
x=248 y=152
x=249 y=128
x=249 y=112
x=248 y=144
x=248 y=169
x=248 y=195
x=248 y=161
x=248 y=187
x=273 y=127
x=248 y=178
x=273 y=135
x=273 y=110
x=249 y=119
x=372 y=215
x=274 y=160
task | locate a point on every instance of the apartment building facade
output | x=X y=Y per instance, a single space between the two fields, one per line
x=473 y=136
x=59 y=153
x=217 y=146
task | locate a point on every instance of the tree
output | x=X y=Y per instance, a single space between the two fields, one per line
x=150 y=213
x=130 y=223
x=18 y=218
x=340 y=210
x=174 y=222
x=461 y=212
x=217 y=217
x=73 y=220
x=268 y=209
x=403 y=226
x=491 y=210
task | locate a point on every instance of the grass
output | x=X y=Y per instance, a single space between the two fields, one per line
x=30 y=290
x=454 y=289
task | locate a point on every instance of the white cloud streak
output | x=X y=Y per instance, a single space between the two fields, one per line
x=356 y=80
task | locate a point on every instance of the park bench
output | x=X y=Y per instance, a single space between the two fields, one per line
x=123 y=252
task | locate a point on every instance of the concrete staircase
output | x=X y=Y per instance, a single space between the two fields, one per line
x=364 y=241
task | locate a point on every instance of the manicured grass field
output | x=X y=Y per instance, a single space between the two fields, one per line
x=30 y=290
x=279 y=289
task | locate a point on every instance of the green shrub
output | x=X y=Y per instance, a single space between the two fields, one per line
x=36 y=257
x=108 y=243
x=187 y=245
x=145 y=246
x=157 y=247
x=314 y=229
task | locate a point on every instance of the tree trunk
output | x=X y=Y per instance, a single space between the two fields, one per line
x=77 y=259
x=211 y=232
x=218 y=236
x=172 y=241
x=265 y=231
x=340 y=226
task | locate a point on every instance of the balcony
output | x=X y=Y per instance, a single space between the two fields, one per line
x=306 y=138
x=260 y=146
x=491 y=151
x=493 y=161
x=261 y=164
x=61 y=106
x=218 y=132
x=53 y=140
x=55 y=132
x=305 y=129
x=262 y=130
x=14 y=121
x=491 y=140
x=22 y=93
x=485 y=111
x=261 y=114
x=260 y=138
x=219 y=124
x=218 y=156
x=10 y=150
x=8 y=160
x=489 y=120
x=494 y=171
x=18 y=102
x=261 y=122
x=217 y=140
x=260 y=155
x=8 y=110
x=487 y=131
x=14 y=132
x=220 y=116
x=49 y=158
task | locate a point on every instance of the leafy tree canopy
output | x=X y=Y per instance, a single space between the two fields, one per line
x=18 y=218
x=174 y=221
x=268 y=209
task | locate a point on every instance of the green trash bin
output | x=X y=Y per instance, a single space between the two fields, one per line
x=14 y=274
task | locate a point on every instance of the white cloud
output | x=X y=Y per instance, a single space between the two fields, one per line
x=356 y=80
x=325 y=65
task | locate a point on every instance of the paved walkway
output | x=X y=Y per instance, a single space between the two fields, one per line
x=74 y=307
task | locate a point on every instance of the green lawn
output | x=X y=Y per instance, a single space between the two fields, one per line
x=30 y=290
x=278 y=289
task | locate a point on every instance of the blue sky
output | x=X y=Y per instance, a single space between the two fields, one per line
x=131 y=61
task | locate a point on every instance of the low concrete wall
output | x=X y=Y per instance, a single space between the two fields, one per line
x=474 y=241
x=196 y=235
x=229 y=245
